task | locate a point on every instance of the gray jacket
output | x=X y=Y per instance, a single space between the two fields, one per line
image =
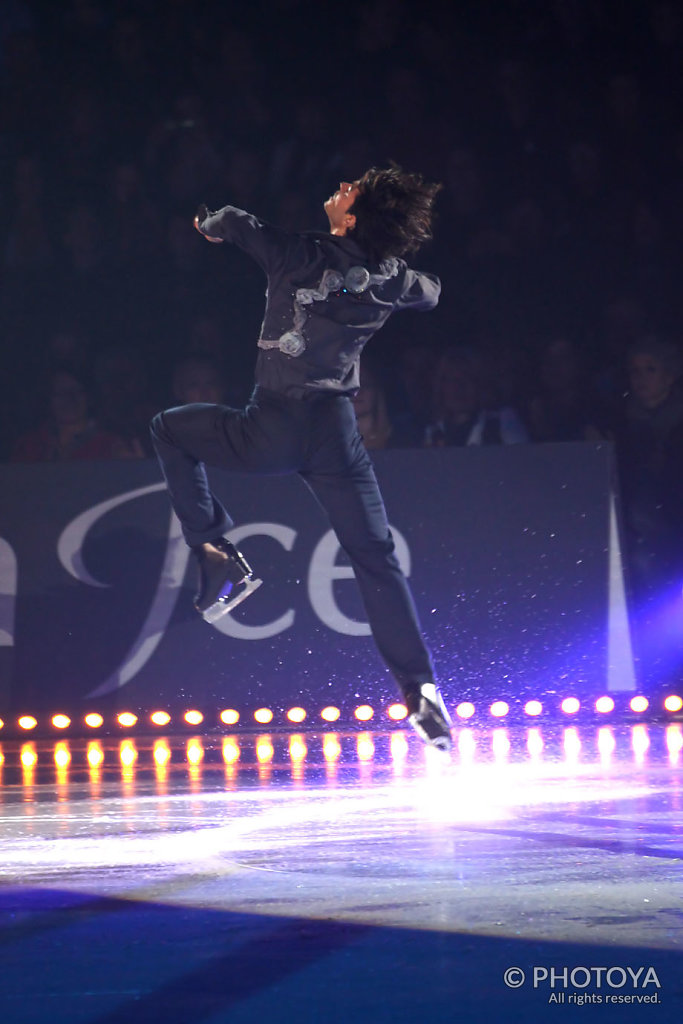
x=325 y=300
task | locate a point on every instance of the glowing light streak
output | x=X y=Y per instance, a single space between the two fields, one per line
x=297 y=748
x=94 y=754
x=128 y=754
x=467 y=746
x=398 y=745
x=640 y=742
x=331 y=747
x=28 y=756
x=534 y=744
x=674 y=742
x=195 y=751
x=62 y=755
x=161 y=752
x=230 y=750
x=607 y=744
x=500 y=744
x=572 y=745
x=365 y=748
x=264 y=749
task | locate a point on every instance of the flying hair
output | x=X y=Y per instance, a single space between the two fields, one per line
x=393 y=212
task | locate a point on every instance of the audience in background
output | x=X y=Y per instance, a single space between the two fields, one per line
x=563 y=204
x=460 y=413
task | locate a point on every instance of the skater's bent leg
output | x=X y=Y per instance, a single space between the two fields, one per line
x=356 y=511
x=184 y=439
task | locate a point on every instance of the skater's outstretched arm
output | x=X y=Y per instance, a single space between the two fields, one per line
x=268 y=245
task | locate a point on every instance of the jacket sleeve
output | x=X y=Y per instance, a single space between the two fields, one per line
x=263 y=242
x=420 y=291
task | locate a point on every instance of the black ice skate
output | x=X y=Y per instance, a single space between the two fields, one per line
x=428 y=716
x=225 y=579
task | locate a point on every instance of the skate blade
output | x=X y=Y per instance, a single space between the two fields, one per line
x=442 y=741
x=221 y=608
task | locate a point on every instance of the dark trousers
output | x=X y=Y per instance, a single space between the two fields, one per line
x=316 y=437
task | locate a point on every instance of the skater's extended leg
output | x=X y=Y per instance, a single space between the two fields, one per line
x=355 y=508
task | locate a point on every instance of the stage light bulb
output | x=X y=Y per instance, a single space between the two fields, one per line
x=296 y=714
x=397 y=712
x=27 y=722
x=230 y=716
x=193 y=717
x=1 y=723
x=570 y=705
x=263 y=716
x=604 y=705
x=639 y=704
x=499 y=708
x=465 y=709
x=533 y=708
x=160 y=718
x=364 y=713
x=330 y=714
x=61 y=721
x=127 y=719
x=93 y=720
x=673 y=703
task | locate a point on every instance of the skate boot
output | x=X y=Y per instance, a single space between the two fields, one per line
x=225 y=579
x=428 y=716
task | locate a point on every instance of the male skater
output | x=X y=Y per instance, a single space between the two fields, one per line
x=328 y=293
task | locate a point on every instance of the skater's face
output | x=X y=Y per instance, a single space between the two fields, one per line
x=337 y=208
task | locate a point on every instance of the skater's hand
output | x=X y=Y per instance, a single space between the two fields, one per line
x=209 y=238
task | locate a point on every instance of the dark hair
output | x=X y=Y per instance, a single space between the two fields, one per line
x=393 y=212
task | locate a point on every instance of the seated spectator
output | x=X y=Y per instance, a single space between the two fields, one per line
x=370 y=405
x=562 y=409
x=459 y=413
x=69 y=432
x=124 y=406
x=198 y=378
x=649 y=439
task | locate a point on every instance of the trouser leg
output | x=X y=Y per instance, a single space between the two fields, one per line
x=354 y=505
x=184 y=439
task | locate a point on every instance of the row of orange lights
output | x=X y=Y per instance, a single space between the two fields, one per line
x=363 y=713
